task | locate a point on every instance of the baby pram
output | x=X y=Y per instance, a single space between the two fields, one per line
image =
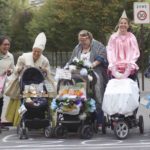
x=34 y=110
x=75 y=108
x=121 y=101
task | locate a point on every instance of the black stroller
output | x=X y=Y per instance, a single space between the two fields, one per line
x=34 y=105
x=121 y=123
x=72 y=123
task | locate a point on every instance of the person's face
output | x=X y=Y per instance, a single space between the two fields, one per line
x=36 y=53
x=123 y=25
x=5 y=46
x=84 y=41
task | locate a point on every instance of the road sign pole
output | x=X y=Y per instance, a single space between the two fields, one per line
x=142 y=53
x=142 y=16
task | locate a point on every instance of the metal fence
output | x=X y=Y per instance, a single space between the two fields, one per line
x=55 y=58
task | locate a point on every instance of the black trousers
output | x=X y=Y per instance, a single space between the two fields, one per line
x=1 y=106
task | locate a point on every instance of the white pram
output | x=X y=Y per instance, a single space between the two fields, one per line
x=120 y=103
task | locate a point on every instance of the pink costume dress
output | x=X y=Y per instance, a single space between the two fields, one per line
x=122 y=54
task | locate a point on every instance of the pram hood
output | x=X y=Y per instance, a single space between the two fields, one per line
x=31 y=76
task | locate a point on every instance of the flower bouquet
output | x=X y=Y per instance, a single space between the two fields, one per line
x=84 y=67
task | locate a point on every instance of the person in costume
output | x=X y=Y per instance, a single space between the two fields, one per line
x=94 y=53
x=26 y=60
x=121 y=96
x=6 y=67
x=123 y=50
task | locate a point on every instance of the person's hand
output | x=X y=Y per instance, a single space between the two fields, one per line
x=20 y=69
x=121 y=69
x=44 y=70
x=94 y=64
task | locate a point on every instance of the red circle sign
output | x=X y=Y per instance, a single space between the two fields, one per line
x=141 y=15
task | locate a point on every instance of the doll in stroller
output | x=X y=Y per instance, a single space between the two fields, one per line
x=34 y=109
x=75 y=107
x=120 y=104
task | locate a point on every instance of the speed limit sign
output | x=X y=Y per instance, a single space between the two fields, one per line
x=141 y=12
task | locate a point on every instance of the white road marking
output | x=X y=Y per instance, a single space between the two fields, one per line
x=52 y=144
x=8 y=136
x=88 y=142
x=28 y=141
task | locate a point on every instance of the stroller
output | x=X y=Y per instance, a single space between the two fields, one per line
x=75 y=108
x=34 y=109
x=120 y=121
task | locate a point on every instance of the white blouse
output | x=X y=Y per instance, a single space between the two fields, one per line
x=6 y=62
x=85 y=56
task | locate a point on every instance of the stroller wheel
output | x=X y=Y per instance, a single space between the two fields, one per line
x=59 y=131
x=121 y=130
x=48 y=132
x=141 y=124
x=86 y=132
x=104 y=125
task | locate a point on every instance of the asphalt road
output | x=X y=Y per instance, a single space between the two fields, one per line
x=9 y=139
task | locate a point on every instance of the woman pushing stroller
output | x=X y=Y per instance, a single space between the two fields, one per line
x=122 y=92
x=93 y=54
x=123 y=50
x=32 y=59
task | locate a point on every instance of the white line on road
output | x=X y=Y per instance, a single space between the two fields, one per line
x=87 y=142
x=29 y=141
x=8 y=136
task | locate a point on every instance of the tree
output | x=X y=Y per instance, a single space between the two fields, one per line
x=63 y=19
x=20 y=16
x=4 y=17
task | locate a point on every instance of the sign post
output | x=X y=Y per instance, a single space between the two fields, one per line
x=142 y=16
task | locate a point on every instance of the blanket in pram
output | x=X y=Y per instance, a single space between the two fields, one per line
x=121 y=96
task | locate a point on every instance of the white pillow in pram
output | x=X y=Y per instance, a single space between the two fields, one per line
x=121 y=96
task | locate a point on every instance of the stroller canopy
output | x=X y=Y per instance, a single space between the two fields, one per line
x=31 y=76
